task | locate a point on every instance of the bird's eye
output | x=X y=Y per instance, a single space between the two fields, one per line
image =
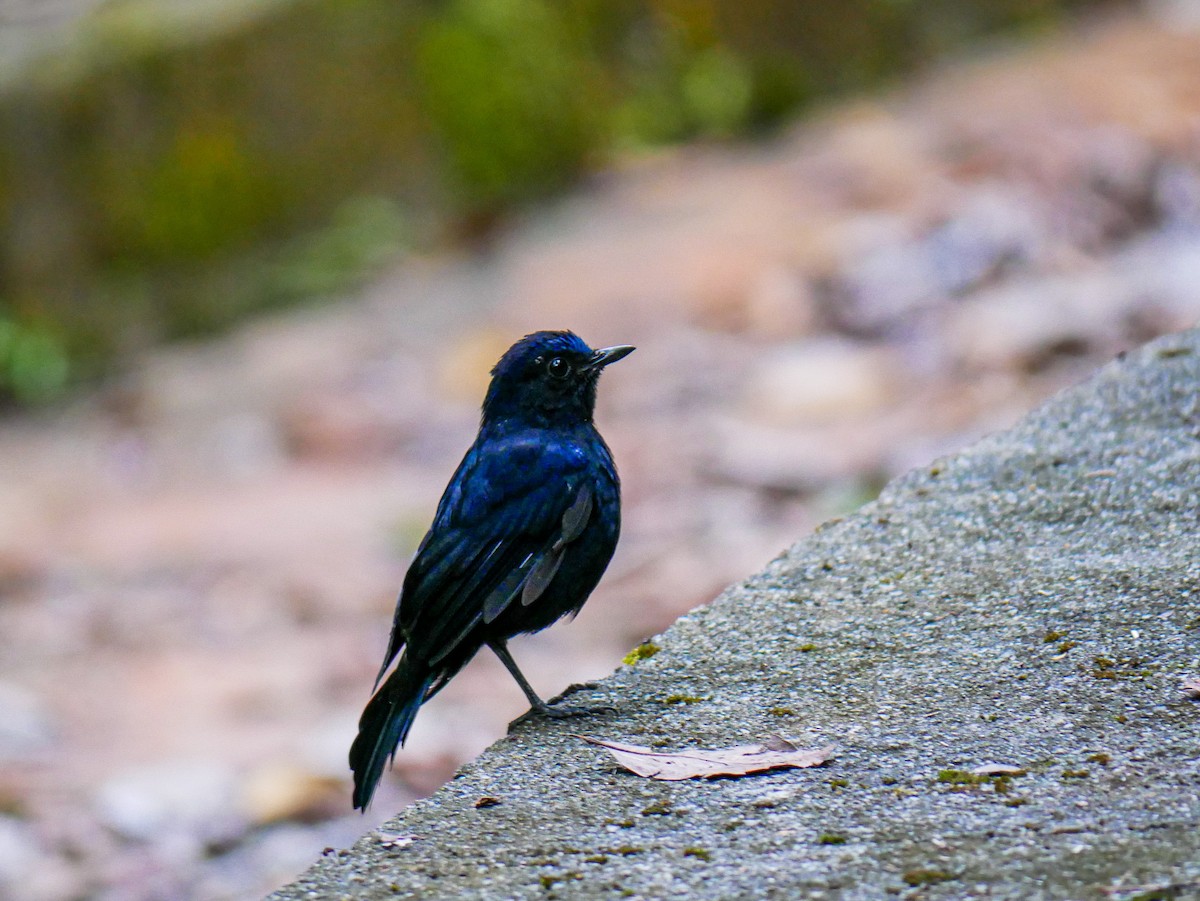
x=558 y=367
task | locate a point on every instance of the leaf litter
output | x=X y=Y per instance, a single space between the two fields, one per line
x=674 y=766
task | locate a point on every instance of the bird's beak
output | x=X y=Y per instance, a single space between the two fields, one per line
x=606 y=355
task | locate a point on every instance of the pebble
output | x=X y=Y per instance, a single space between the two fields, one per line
x=30 y=872
x=26 y=728
x=281 y=792
x=191 y=795
x=819 y=379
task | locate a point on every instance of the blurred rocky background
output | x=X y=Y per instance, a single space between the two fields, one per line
x=257 y=258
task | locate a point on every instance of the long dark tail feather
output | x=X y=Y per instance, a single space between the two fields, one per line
x=384 y=726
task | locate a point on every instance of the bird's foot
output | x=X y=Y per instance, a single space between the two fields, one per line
x=558 y=712
x=563 y=711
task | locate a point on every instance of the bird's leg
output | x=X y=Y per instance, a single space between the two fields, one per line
x=556 y=712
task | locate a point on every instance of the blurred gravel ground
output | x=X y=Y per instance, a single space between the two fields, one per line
x=198 y=564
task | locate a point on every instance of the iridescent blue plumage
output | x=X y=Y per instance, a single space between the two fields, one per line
x=522 y=535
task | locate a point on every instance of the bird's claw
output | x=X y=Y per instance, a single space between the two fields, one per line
x=562 y=711
x=558 y=712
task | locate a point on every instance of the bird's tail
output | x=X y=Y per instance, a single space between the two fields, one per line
x=384 y=725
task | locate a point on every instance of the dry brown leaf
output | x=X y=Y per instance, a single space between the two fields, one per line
x=1191 y=686
x=997 y=769
x=775 y=753
x=1153 y=890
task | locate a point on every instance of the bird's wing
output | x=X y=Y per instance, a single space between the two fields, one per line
x=501 y=531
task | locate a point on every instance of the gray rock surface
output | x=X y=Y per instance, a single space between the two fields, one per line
x=1033 y=601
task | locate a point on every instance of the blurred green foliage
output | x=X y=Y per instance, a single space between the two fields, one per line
x=206 y=189
x=512 y=94
x=33 y=363
x=363 y=234
x=169 y=171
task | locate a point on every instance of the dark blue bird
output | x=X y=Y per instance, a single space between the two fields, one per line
x=522 y=535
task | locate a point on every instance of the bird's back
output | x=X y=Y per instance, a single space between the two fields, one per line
x=502 y=513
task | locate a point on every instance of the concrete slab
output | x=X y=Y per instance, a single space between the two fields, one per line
x=1033 y=601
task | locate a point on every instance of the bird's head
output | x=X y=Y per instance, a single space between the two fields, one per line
x=548 y=378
